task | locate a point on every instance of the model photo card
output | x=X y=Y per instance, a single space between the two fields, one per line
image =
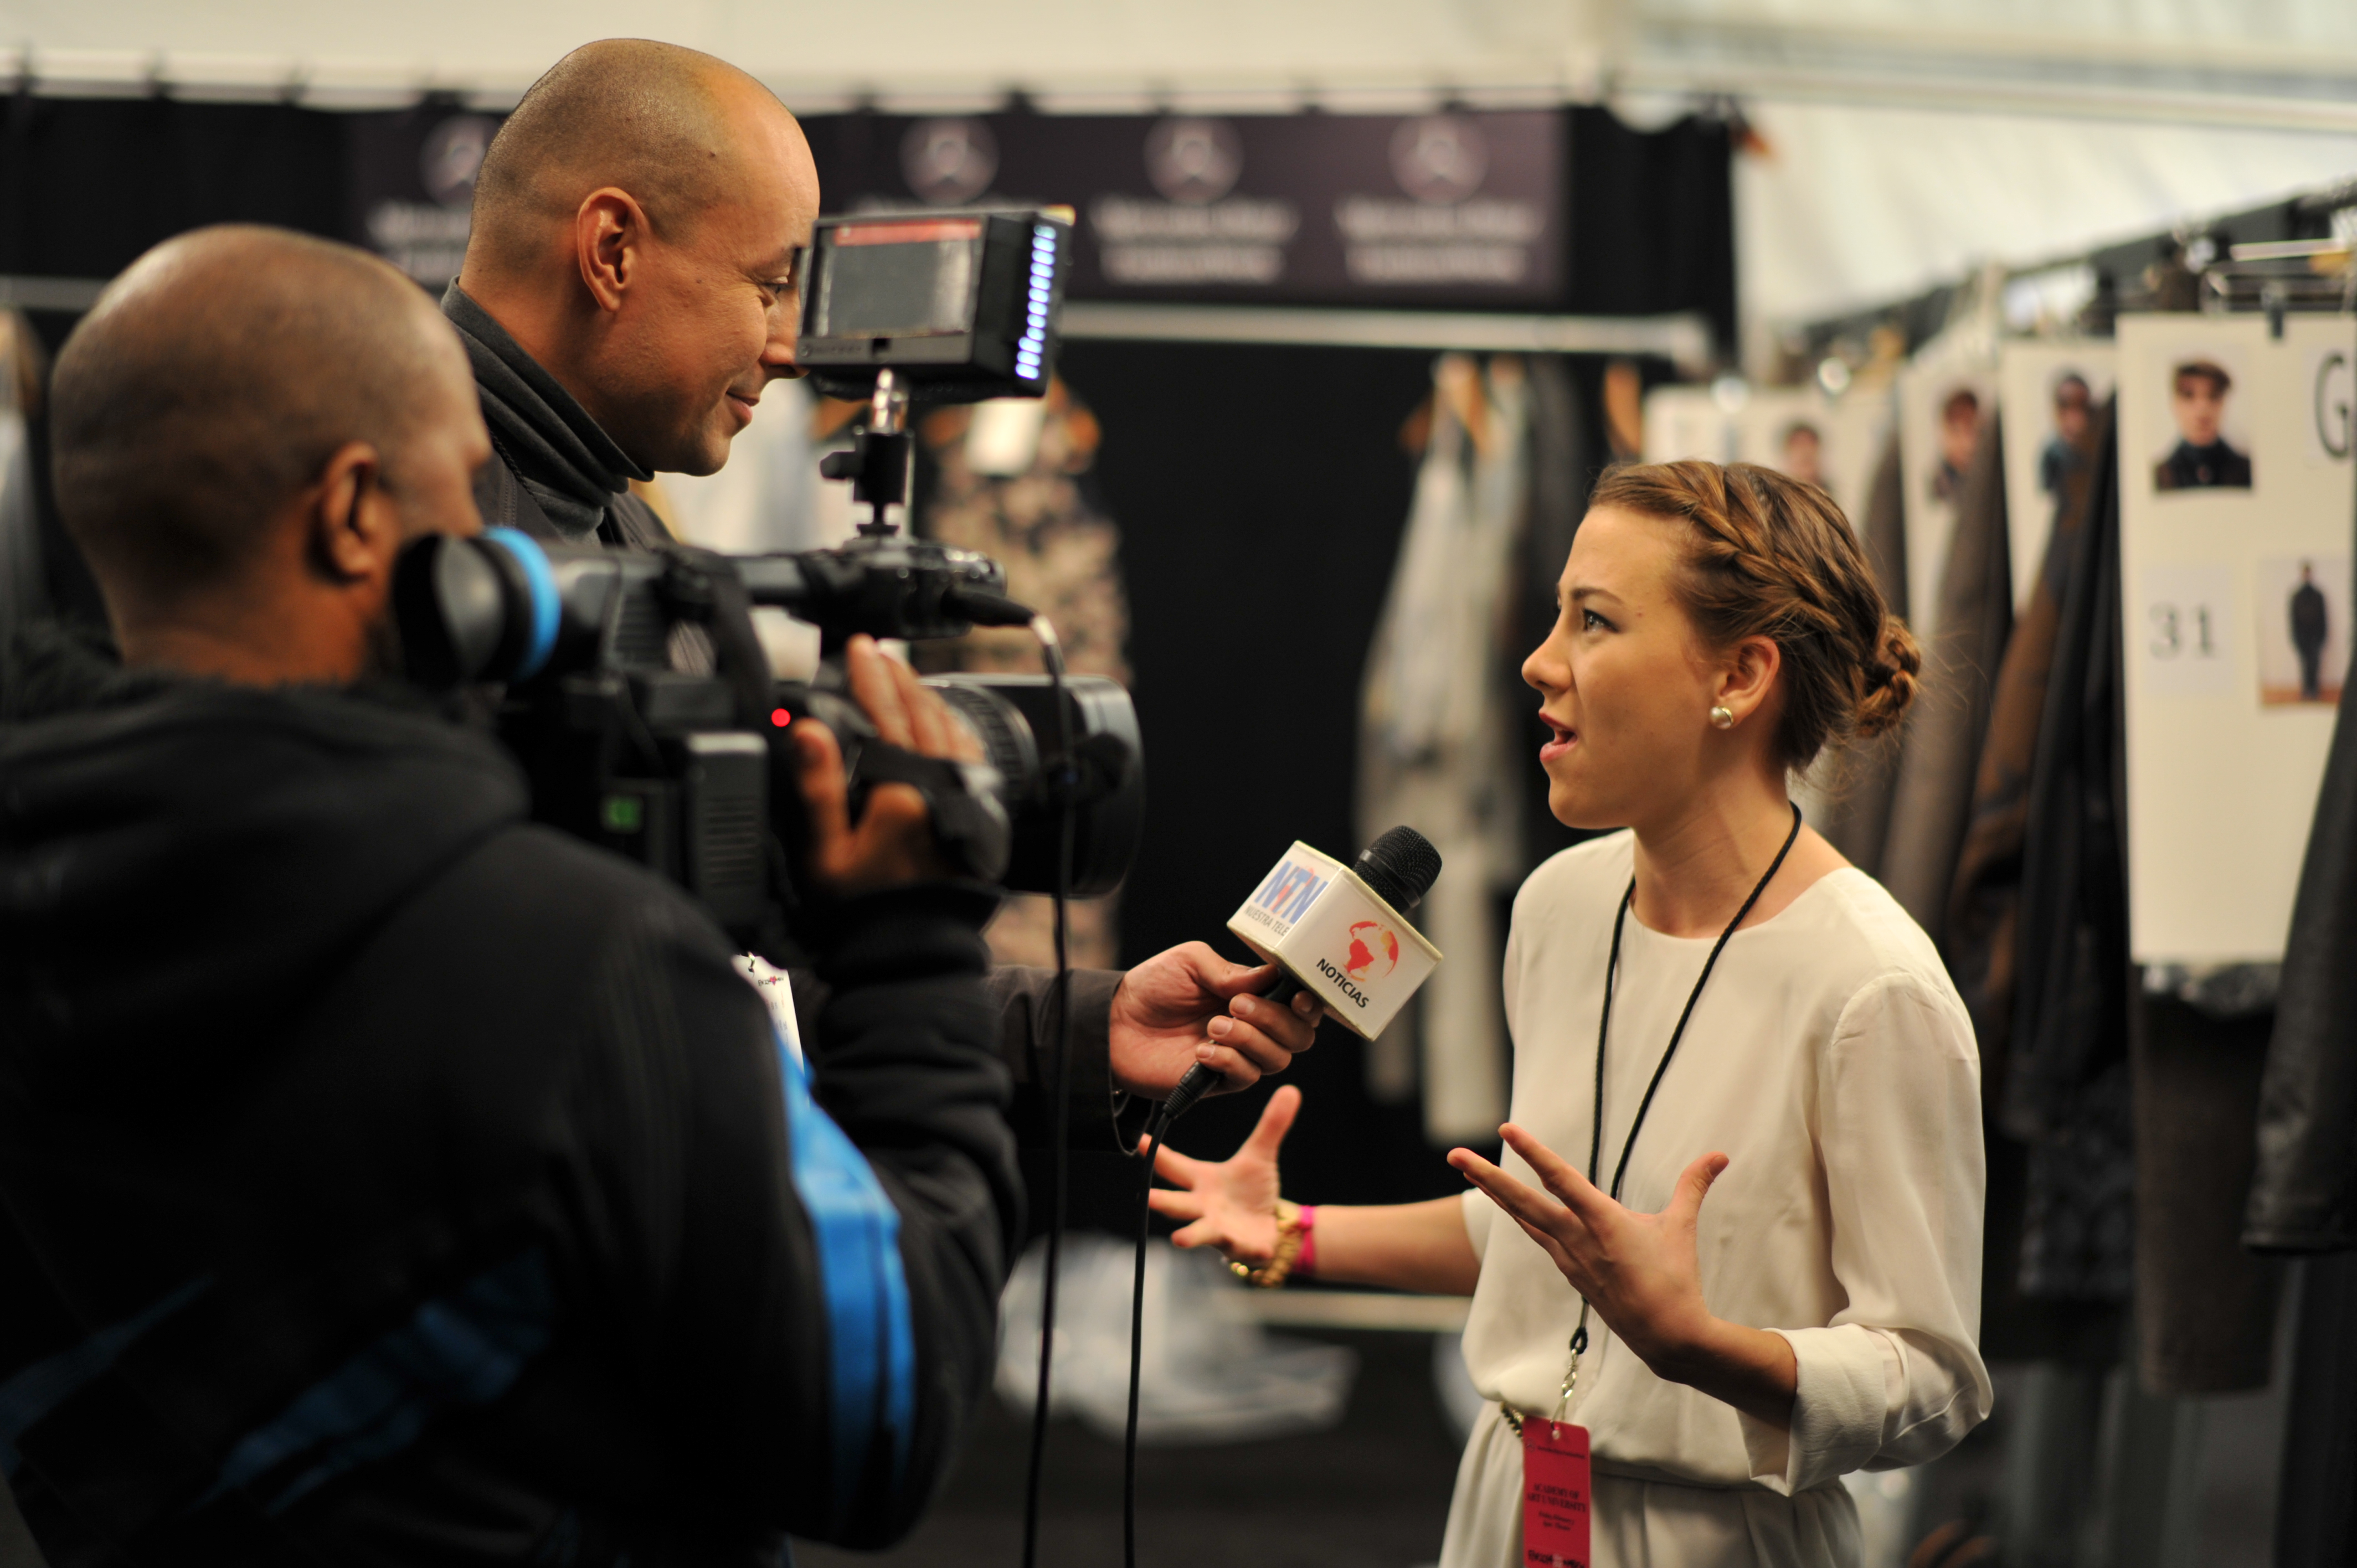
x=2051 y=394
x=1945 y=394
x=2236 y=519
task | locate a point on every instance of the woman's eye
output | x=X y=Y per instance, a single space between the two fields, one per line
x=1590 y=621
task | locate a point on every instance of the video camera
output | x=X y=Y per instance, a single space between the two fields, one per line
x=637 y=696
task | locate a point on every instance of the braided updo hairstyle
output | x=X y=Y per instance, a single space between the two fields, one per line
x=1769 y=556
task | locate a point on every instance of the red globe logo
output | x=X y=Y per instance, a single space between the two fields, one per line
x=1372 y=943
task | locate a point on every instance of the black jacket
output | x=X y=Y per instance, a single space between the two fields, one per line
x=2190 y=467
x=385 y=1179
x=558 y=476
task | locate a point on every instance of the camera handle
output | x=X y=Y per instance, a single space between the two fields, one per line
x=879 y=465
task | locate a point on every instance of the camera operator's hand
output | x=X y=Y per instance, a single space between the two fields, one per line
x=892 y=843
x=1189 y=1006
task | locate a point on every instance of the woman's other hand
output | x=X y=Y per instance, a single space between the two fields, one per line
x=1642 y=1275
x=1232 y=1203
x=1639 y=1271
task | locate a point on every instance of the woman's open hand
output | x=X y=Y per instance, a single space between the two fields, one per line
x=1639 y=1271
x=1233 y=1202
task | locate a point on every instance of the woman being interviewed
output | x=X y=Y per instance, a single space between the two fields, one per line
x=1751 y=1012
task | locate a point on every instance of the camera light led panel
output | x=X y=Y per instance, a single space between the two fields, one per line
x=960 y=305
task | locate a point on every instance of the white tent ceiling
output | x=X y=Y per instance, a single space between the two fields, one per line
x=1906 y=139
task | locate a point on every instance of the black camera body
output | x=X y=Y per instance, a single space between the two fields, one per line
x=639 y=699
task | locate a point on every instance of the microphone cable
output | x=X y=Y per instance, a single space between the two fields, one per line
x=1051 y=654
x=1157 y=1129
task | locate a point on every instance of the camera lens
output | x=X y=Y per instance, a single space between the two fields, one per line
x=1015 y=717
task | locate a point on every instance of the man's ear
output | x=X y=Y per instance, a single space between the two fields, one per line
x=354 y=527
x=609 y=239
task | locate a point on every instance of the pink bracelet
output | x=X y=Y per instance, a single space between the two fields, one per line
x=1304 y=1221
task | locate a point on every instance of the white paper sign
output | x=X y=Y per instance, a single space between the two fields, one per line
x=1315 y=919
x=2235 y=528
x=2183 y=630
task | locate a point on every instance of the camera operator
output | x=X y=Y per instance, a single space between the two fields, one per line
x=385 y=1178
x=628 y=293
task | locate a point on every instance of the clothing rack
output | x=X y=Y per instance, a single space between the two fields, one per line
x=1684 y=338
x=2249 y=250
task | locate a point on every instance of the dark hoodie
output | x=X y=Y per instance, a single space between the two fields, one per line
x=386 y=1180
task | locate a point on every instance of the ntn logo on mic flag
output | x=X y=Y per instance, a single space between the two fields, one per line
x=1288 y=893
x=1346 y=946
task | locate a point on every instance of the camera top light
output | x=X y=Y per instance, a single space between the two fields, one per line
x=960 y=305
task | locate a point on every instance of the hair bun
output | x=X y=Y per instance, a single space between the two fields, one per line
x=1887 y=683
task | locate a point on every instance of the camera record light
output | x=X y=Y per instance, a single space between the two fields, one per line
x=960 y=305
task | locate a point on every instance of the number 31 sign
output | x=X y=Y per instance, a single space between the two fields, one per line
x=2185 y=630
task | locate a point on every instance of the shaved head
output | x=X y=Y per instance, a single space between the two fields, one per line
x=658 y=121
x=636 y=225
x=214 y=379
x=245 y=429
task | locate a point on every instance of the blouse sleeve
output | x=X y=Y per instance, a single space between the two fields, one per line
x=1897 y=1378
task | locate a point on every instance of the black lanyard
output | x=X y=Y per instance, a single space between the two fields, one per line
x=1604 y=1027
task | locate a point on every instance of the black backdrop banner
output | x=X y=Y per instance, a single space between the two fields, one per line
x=1560 y=209
x=1553 y=210
x=1299 y=208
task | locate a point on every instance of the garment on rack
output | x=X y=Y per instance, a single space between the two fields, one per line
x=1563 y=470
x=2303 y=1193
x=1435 y=747
x=1863 y=775
x=1985 y=902
x=1013 y=483
x=2067 y=1092
x=27 y=561
x=2316 y=1512
x=1940 y=753
x=2205 y=1307
x=1981 y=936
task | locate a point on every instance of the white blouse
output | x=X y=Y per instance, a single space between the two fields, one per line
x=1831 y=1061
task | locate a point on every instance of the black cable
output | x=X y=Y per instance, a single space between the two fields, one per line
x=1160 y=1125
x=1052 y=655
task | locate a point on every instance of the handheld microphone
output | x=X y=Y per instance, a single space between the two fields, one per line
x=1340 y=933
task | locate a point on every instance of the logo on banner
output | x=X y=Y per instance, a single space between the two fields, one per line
x=1440 y=159
x=1445 y=232
x=427 y=239
x=1374 y=951
x=1193 y=162
x=948 y=163
x=453 y=156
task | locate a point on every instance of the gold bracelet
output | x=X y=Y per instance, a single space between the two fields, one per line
x=1271 y=1275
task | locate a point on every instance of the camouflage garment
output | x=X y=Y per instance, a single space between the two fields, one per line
x=1061 y=555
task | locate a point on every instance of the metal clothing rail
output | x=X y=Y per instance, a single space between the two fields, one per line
x=1684 y=338
x=48 y=293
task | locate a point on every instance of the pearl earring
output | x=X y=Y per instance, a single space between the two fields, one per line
x=1722 y=718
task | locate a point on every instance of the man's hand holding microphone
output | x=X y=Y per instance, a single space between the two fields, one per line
x=1182 y=1008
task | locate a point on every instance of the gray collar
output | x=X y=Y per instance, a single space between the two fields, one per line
x=572 y=467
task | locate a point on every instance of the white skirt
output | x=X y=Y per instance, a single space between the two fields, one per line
x=1647 y=1524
